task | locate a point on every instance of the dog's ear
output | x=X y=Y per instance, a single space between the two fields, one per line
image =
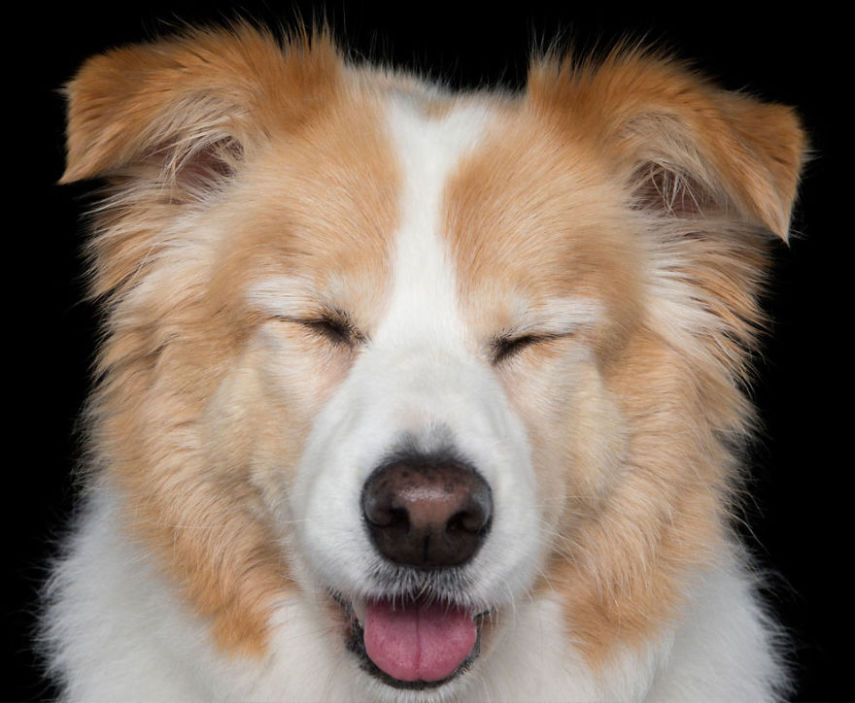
x=683 y=145
x=184 y=111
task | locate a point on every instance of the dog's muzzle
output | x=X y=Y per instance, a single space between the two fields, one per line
x=426 y=514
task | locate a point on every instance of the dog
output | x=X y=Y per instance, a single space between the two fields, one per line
x=408 y=394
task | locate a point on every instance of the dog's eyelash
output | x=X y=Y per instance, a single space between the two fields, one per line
x=337 y=330
x=506 y=347
x=334 y=327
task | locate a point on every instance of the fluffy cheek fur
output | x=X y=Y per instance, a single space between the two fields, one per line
x=263 y=411
x=561 y=397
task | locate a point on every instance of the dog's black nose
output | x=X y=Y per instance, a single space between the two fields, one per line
x=427 y=512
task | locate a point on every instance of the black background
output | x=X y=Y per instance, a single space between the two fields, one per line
x=799 y=521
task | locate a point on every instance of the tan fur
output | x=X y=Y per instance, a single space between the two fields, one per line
x=175 y=337
x=647 y=109
x=571 y=185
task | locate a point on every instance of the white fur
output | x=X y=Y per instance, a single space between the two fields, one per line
x=128 y=639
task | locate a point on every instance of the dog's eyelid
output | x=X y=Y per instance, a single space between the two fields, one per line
x=336 y=326
x=507 y=345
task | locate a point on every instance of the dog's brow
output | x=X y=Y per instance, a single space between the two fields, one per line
x=560 y=315
x=283 y=295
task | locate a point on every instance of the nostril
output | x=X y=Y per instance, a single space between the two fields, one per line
x=382 y=513
x=397 y=517
x=426 y=511
x=467 y=521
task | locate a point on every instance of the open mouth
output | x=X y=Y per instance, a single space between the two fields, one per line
x=412 y=643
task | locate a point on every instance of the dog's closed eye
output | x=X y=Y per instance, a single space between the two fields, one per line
x=336 y=329
x=504 y=348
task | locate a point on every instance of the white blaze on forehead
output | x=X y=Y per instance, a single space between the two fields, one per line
x=424 y=292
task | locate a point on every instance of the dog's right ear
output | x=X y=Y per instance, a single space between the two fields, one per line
x=185 y=111
x=682 y=145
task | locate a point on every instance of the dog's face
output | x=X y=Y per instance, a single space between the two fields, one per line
x=412 y=359
x=416 y=481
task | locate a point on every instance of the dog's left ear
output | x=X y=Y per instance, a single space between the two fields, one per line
x=183 y=112
x=172 y=123
x=682 y=144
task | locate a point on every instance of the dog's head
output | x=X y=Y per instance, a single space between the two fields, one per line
x=412 y=358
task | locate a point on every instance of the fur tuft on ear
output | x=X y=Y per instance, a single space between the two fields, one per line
x=683 y=145
x=185 y=110
x=172 y=122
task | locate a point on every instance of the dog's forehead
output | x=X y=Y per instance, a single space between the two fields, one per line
x=500 y=219
x=429 y=149
x=418 y=206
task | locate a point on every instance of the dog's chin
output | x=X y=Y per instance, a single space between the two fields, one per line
x=461 y=649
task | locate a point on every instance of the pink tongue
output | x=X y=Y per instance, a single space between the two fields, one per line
x=418 y=642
